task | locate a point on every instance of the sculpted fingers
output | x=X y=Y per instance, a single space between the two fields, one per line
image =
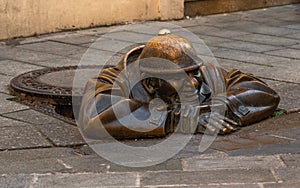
x=230 y=121
x=217 y=123
x=203 y=121
x=225 y=126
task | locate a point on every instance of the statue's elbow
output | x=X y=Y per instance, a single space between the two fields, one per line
x=276 y=100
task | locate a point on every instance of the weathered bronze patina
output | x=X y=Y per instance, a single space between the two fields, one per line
x=248 y=99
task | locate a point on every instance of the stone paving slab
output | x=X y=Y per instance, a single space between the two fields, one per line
x=246 y=67
x=129 y=36
x=85 y=164
x=18 y=181
x=288 y=93
x=279 y=70
x=274 y=22
x=188 y=152
x=6 y=122
x=68 y=160
x=291 y=160
x=269 y=40
x=293 y=134
x=226 y=145
x=33 y=117
x=210 y=41
x=281 y=123
x=9 y=106
x=98 y=31
x=4 y=82
x=291 y=18
x=243 y=56
x=49 y=160
x=241 y=25
x=247 y=46
x=58 y=62
x=86 y=180
x=262 y=16
x=242 y=142
x=36 y=166
x=282 y=185
x=257 y=162
x=274 y=12
x=293 y=26
x=170 y=165
x=28 y=56
x=271 y=125
x=290 y=174
x=109 y=44
x=292 y=148
x=51 y=47
x=52 y=36
x=214 y=31
x=20 y=137
x=270 y=128
x=35 y=154
x=148 y=28
x=62 y=134
x=35 y=58
x=206 y=177
x=216 y=185
x=93 y=56
x=223 y=18
x=15 y=68
x=269 y=30
x=290 y=53
x=59 y=133
x=192 y=22
x=295 y=46
x=294 y=36
x=77 y=40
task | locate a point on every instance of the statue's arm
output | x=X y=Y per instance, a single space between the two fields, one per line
x=248 y=98
x=106 y=110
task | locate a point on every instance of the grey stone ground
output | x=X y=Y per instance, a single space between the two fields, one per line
x=39 y=151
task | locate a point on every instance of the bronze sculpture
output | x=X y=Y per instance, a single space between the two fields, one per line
x=247 y=99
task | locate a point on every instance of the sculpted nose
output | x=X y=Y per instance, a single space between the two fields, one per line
x=193 y=81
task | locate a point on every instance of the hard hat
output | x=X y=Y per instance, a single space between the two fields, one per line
x=169 y=47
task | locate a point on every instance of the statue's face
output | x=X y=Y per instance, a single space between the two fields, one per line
x=173 y=85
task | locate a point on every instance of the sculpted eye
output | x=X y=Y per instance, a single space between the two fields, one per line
x=197 y=74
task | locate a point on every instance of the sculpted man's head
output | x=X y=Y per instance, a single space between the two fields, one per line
x=174 y=59
x=171 y=47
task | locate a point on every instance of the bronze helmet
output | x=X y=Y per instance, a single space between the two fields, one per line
x=170 y=47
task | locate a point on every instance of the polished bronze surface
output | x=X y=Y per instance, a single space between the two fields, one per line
x=107 y=106
x=189 y=94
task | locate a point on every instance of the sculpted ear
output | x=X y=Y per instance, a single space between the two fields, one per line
x=145 y=82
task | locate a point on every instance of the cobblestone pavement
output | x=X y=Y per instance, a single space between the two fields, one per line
x=39 y=151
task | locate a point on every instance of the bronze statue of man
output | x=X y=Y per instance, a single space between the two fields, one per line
x=111 y=100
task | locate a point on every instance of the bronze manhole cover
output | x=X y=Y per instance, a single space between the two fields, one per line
x=50 y=90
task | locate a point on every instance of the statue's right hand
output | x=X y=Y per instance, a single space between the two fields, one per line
x=216 y=123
